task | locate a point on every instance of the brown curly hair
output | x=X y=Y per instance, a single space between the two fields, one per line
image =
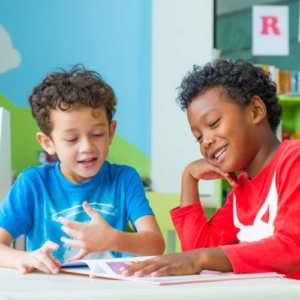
x=63 y=89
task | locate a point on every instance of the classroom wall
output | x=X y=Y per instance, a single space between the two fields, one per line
x=111 y=37
x=182 y=37
x=141 y=48
x=234 y=37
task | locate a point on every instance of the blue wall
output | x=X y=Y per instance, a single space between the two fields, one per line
x=112 y=37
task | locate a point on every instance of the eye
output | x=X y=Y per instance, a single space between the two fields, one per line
x=98 y=135
x=198 y=139
x=214 y=123
x=70 y=141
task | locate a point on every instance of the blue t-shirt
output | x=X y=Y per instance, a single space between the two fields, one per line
x=42 y=194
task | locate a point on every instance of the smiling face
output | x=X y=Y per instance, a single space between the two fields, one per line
x=226 y=131
x=80 y=137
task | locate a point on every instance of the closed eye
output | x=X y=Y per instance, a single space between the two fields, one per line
x=199 y=138
x=70 y=141
x=214 y=123
x=98 y=135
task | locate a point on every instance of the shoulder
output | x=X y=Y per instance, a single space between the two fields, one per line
x=33 y=173
x=120 y=172
x=288 y=156
x=289 y=148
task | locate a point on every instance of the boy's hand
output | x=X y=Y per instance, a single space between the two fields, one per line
x=185 y=263
x=202 y=169
x=39 y=259
x=95 y=236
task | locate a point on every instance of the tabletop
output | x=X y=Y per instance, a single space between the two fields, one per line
x=37 y=285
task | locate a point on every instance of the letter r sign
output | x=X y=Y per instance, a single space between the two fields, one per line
x=270 y=32
x=269 y=22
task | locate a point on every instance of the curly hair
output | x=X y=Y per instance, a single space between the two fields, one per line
x=241 y=79
x=64 y=89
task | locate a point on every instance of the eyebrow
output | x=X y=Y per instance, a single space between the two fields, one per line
x=74 y=129
x=205 y=115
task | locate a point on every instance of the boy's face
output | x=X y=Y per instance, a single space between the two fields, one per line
x=81 y=141
x=225 y=130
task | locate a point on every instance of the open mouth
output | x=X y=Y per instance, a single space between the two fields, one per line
x=87 y=161
x=219 y=155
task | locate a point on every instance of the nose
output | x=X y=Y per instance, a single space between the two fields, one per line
x=207 y=140
x=87 y=145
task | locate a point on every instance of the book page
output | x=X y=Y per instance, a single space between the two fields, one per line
x=112 y=266
x=101 y=266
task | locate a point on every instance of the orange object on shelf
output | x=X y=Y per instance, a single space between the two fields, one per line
x=295 y=136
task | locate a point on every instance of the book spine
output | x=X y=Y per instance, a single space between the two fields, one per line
x=295 y=82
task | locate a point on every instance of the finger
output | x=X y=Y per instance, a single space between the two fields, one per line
x=69 y=223
x=90 y=211
x=81 y=254
x=48 y=246
x=56 y=261
x=218 y=170
x=169 y=270
x=72 y=243
x=71 y=232
x=38 y=264
x=23 y=268
x=45 y=263
x=231 y=178
x=149 y=269
x=130 y=270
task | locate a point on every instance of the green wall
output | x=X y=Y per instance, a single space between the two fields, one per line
x=25 y=147
x=234 y=37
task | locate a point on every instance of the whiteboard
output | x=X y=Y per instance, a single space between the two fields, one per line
x=182 y=35
x=5 y=153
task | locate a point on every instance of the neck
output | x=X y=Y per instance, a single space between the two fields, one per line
x=263 y=156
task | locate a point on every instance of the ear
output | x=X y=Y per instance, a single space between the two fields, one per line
x=46 y=143
x=112 y=130
x=258 y=109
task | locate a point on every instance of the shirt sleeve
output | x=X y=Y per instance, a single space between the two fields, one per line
x=280 y=252
x=195 y=232
x=17 y=208
x=136 y=202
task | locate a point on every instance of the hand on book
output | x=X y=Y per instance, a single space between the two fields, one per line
x=186 y=263
x=39 y=259
x=90 y=237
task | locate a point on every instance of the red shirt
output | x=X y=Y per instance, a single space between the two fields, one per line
x=259 y=226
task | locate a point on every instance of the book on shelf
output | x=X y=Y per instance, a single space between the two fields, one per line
x=287 y=81
x=109 y=268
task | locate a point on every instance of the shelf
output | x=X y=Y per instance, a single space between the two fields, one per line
x=289 y=99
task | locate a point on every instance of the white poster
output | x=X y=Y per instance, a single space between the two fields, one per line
x=270 y=30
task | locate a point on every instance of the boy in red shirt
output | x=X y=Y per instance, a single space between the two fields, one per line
x=233 y=112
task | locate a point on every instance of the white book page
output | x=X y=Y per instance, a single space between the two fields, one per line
x=109 y=266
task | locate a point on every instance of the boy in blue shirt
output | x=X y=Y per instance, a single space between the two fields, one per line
x=93 y=199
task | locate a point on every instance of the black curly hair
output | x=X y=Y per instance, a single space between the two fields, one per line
x=240 y=78
x=63 y=89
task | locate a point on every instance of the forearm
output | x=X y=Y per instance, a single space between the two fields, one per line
x=143 y=243
x=9 y=256
x=189 y=189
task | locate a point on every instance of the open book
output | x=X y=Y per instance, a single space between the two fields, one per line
x=109 y=268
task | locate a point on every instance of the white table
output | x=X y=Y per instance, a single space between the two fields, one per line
x=37 y=285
